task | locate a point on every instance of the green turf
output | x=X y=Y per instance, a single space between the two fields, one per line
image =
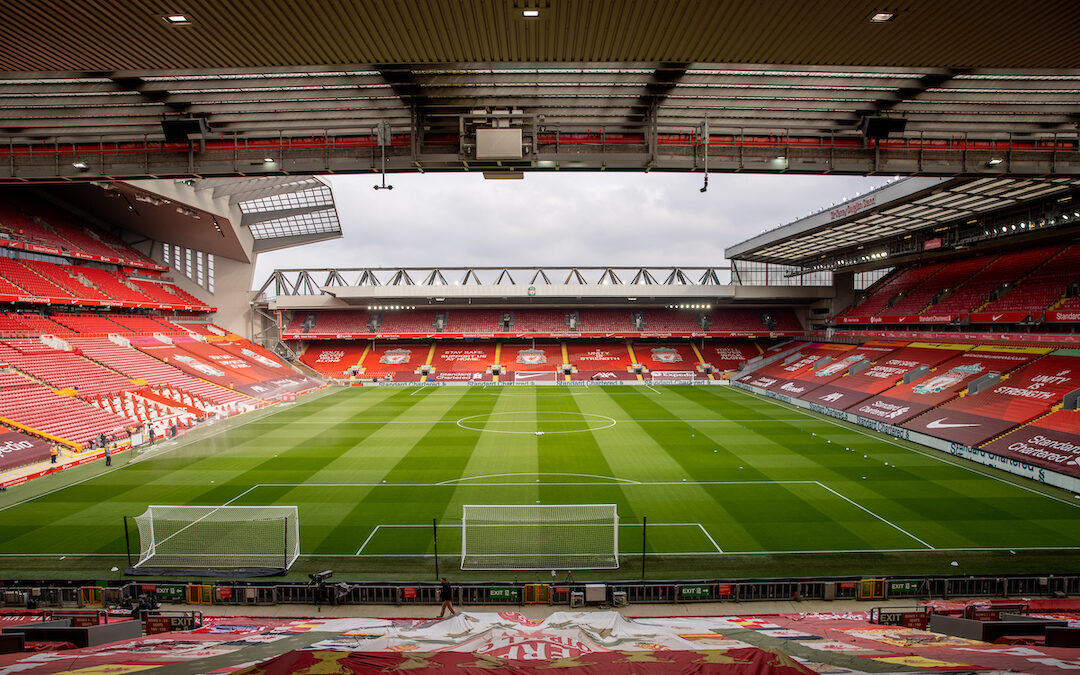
x=732 y=486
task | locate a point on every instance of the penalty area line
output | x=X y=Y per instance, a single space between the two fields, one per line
x=881 y=518
x=939 y=456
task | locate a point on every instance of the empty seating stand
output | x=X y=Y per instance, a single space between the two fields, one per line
x=62 y=369
x=32 y=404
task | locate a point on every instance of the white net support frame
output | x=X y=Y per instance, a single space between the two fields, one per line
x=218 y=537
x=539 y=536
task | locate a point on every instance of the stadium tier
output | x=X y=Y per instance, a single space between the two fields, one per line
x=395 y=361
x=35 y=226
x=469 y=322
x=943 y=383
x=333 y=358
x=772 y=375
x=670 y=321
x=1031 y=284
x=897 y=284
x=948 y=277
x=887 y=371
x=531 y=361
x=550 y=323
x=28 y=324
x=39 y=409
x=1016 y=399
x=847 y=364
x=1042 y=287
x=463 y=362
x=975 y=292
x=536 y=321
x=126 y=366
x=729 y=354
x=662 y=359
x=600 y=361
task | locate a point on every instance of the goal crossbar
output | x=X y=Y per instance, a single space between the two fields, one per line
x=539 y=536
x=263 y=539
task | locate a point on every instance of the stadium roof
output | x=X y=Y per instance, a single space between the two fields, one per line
x=280 y=211
x=535 y=286
x=130 y=35
x=895 y=211
x=636 y=75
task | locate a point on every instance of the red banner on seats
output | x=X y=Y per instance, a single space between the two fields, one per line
x=1027 y=394
x=1052 y=442
x=19 y=449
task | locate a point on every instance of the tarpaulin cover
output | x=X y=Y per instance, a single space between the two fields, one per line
x=942 y=384
x=1052 y=442
x=728 y=354
x=463 y=357
x=666 y=356
x=18 y=449
x=1030 y=392
x=746 y=661
x=850 y=390
x=334 y=358
x=599 y=356
x=395 y=357
x=774 y=375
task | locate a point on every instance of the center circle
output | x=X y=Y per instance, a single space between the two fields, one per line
x=535 y=423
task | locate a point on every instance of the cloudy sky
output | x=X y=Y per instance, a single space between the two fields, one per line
x=558 y=218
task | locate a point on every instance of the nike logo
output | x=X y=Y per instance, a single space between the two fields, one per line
x=940 y=424
x=528 y=376
x=995 y=317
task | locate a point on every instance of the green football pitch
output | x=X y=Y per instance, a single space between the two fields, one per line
x=731 y=486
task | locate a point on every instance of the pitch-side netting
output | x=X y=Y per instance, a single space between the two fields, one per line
x=218 y=537
x=542 y=536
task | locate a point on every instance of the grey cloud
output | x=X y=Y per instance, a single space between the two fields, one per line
x=558 y=219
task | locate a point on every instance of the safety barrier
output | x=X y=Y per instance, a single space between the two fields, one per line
x=559 y=593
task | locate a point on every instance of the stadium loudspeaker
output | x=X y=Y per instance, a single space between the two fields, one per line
x=881 y=127
x=184 y=130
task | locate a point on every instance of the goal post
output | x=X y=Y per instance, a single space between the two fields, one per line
x=245 y=540
x=539 y=536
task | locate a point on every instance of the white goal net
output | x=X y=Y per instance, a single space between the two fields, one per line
x=538 y=537
x=218 y=537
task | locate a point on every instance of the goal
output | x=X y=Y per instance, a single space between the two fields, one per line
x=539 y=537
x=262 y=540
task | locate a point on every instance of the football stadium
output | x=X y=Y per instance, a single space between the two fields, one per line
x=872 y=408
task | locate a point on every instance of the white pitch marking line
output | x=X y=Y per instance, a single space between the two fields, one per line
x=373 y=531
x=418 y=390
x=939 y=456
x=680 y=420
x=649 y=386
x=823 y=551
x=713 y=541
x=499 y=475
x=881 y=518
